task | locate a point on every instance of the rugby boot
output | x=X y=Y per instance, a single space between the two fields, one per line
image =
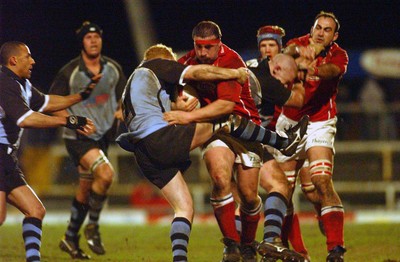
x=71 y=246
x=249 y=252
x=92 y=235
x=231 y=251
x=295 y=134
x=336 y=254
x=277 y=251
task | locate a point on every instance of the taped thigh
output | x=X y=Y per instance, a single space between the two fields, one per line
x=99 y=161
x=291 y=177
x=321 y=167
x=86 y=175
x=307 y=187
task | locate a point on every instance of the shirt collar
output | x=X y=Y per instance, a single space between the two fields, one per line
x=82 y=66
x=11 y=74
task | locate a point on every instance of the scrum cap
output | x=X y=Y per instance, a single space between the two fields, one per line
x=88 y=27
x=270 y=32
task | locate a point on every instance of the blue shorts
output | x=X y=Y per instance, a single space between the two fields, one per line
x=163 y=153
x=78 y=148
x=11 y=175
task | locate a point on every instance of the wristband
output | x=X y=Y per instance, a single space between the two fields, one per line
x=86 y=93
x=75 y=122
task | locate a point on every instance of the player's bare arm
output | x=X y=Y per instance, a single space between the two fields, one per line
x=296 y=98
x=213 y=73
x=212 y=111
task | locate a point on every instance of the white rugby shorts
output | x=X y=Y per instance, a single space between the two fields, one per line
x=321 y=133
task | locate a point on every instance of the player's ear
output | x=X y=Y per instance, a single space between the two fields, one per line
x=335 y=36
x=12 y=60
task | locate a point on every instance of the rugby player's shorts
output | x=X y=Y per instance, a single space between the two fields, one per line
x=163 y=153
x=11 y=175
x=78 y=148
x=320 y=133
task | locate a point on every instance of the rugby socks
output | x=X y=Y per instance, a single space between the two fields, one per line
x=238 y=224
x=224 y=211
x=249 y=220
x=295 y=237
x=286 y=226
x=333 y=220
x=179 y=235
x=32 y=234
x=96 y=204
x=245 y=129
x=274 y=212
x=78 y=214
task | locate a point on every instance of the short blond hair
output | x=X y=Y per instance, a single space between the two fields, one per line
x=159 y=51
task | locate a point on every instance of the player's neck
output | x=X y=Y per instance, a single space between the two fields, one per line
x=92 y=63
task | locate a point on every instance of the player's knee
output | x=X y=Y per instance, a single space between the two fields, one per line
x=37 y=211
x=249 y=199
x=105 y=174
x=184 y=209
x=221 y=182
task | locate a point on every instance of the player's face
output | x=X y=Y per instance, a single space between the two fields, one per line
x=268 y=47
x=206 y=53
x=323 y=31
x=24 y=63
x=92 y=44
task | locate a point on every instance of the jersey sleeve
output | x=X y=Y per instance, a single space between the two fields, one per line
x=340 y=59
x=14 y=105
x=38 y=101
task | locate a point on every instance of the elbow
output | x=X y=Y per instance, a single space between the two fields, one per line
x=24 y=124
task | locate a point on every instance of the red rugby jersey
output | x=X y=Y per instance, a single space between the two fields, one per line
x=320 y=95
x=227 y=90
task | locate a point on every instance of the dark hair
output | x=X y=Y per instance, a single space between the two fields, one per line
x=330 y=15
x=9 y=49
x=205 y=29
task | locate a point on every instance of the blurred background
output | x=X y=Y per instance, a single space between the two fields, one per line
x=367 y=164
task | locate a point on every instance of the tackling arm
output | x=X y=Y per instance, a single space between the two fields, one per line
x=213 y=73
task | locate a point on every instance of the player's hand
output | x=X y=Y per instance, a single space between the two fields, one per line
x=243 y=75
x=185 y=102
x=87 y=129
x=302 y=66
x=118 y=115
x=311 y=68
x=177 y=117
x=307 y=52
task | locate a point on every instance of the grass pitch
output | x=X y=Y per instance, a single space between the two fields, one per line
x=150 y=243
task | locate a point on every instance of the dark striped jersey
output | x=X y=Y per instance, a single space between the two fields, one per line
x=18 y=100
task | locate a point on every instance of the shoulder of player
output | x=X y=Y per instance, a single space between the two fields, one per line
x=112 y=61
x=301 y=40
x=336 y=48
